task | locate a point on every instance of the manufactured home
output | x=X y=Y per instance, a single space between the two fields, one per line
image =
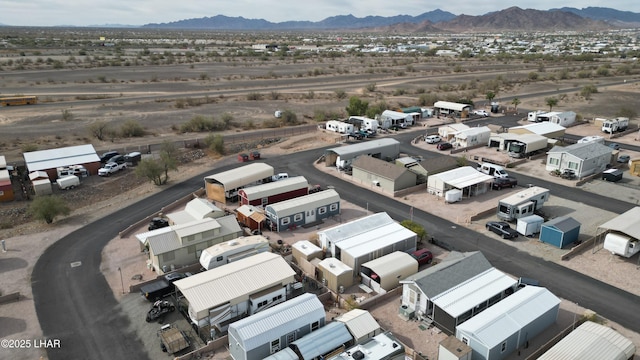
x=523 y=203
x=303 y=210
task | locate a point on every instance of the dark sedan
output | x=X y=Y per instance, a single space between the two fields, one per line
x=444 y=146
x=503 y=229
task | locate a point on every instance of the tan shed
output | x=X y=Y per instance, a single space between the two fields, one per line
x=384 y=273
x=336 y=275
x=305 y=249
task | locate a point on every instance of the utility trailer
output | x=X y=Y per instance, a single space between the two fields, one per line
x=172 y=339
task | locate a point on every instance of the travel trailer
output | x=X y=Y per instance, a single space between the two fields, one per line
x=620 y=244
x=523 y=203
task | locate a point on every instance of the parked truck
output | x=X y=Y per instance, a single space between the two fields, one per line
x=615 y=125
x=172 y=339
x=620 y=244
x=527 y=145
x=68 y=182
x=523 y=203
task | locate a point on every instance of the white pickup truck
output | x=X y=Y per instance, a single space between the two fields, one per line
x=111 y=168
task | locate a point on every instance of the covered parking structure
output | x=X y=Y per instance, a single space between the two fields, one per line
x=386 y=149
x=447 y=108
x=627 y=223
x=225 y=185
x=384 y=273
x=466 y=179
x=51 y=159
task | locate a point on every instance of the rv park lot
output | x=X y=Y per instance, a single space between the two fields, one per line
x=148 y=95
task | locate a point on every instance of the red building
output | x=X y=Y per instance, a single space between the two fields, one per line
x=273 y=192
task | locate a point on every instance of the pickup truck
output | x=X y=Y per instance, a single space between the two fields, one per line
x=111 y=168
x=156 y=290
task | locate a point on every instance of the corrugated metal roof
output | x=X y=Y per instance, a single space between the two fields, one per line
x=274 y=188
x=463 y=177
x=541 y=128
x=142 y=237
x=240 y=278
x=365 y=147
x=380 y=238
x=450 y=105
x=240 y=176
x=323 y=340
x=164 y=242
x=467 y=295
x=196 y=209
x=295 y=205
x=455 y=269
x=627 y=223
x=53 y=158
x=390 y=263
x=196 y=227
x=394 y=114
x=492 y=326
x=334 y=266
x=378 y=167
x=591 y=341
x=269 y=324
x=359 y=226
x=359 y=322
x=583 y=151
x=284 y=354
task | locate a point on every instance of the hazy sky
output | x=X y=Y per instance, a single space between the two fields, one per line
x=140 y=12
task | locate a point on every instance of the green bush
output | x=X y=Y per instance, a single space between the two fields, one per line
x=131 y=128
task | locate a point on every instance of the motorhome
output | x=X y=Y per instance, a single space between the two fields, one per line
x=617 y=124
x=365 y=123
x=233 y=250
x=523 y=203
x=620 y=244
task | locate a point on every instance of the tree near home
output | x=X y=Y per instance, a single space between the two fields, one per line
x=150 y=169
x=157 y=169
x=515 y=103
x=416 y=228
x=48 y=207
x=357 y=107
x=551 y=102
x=168 y=158
x=491 y=95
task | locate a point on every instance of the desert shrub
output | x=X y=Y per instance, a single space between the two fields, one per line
x=254 y=96
x=131 y=128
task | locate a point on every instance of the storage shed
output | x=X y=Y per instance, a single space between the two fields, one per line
x=51 y=159
x=224 y=186
x=273 y=192
x=41 y=187
x=305 y=249
x=335 y=275
x=264 y=333
x=560 y=231
x=360 y=324
x=342 y=157
x=251 y=217
x=303 y=210
x=510 y=324
x=467 y=179
x=591 y=341
x=384 y=273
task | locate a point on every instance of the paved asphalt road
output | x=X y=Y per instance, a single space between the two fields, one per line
x=75 y=304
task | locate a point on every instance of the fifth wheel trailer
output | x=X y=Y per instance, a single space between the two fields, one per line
x=523 y=203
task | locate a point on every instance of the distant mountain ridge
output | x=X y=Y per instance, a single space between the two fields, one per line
x=513 y=19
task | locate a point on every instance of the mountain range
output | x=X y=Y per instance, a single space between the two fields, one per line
x=513 y=18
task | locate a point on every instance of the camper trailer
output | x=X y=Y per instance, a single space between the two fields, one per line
x=523 y=203
x=615 y=125
x=233 y=250
x=620 y=244
x=345 y=128
x=332 y=125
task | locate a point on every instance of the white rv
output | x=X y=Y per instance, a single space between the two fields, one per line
x=332 y=125
x=345 y=128
x=523 y=203
x=621 y=244
x=233 y=250
x=68 y=182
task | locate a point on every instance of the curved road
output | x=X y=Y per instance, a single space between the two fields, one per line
x=75 y=304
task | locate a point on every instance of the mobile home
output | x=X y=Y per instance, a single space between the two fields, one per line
x=523 y=203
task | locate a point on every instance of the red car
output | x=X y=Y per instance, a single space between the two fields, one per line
x=424 y=256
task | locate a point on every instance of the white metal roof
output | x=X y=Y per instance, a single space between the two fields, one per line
x=196 y=209
x=524 y=194
x=359 y=322
x=276 y=187
x=239 y=278
x=474 y=131
x=164 y=242
x=284 y=354
x=53 y=158
x=363 y=147
x=463 y=177
x=395 y=114
x=3 y=162
x=323 y=340
x=450 y=105
x=541 y=128
x=376 y=239
x=142 y=237
x=4 y=175
x=591 y=341
x=240 y=176
x=492 y=326
x=465 y=296
x=389 y=263
x=263 y=327
x=627 y=223
x=362 y=225
x=293 y=206
x=195 y=227
x=334 y=266
x=38 y=174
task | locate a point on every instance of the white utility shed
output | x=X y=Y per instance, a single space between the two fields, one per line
x=591 y=341
x=360 y=324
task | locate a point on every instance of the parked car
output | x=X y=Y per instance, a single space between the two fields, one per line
x=157 y=223
x=501 y=183
x=424 y=256
x=481 y=113
x=108 y=155
x=433 y=139
x=444 y=146
x=118 y=159
x=623 y=159
x=503 y=229
x=111 y=168
x=614 y=146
